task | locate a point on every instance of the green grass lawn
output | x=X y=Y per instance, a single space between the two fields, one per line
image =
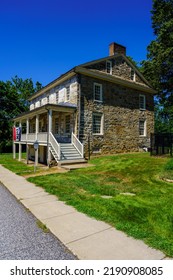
x=102 y=191
x=16 y=166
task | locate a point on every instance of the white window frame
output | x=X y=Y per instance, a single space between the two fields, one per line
x=67 y=94
x=144 y=128
x=61 y=95
x=143 y=107
x=57 y=125
x=109 y=68
x=67 y=124
x=101 y=92
x=133 y=75
x=101 y=123
x=57 y=97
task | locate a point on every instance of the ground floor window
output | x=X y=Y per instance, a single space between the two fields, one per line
x=142 y=128
x=97 y=123
x=56 y=125
x=67 y=124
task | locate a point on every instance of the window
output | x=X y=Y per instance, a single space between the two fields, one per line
x=61 y=95
x=97 y=92
x=142 y=128
x=109 y=67
x=133 y=75
x=67 y=93
x=67 y=124
x=57 y=97
x=56 y=125
x=33 y=128
x=97 y=123
x=47 y=98
x=142 y=102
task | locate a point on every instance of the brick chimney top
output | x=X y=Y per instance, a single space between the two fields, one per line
x=115 y=48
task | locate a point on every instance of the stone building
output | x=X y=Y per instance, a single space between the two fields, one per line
x=100 y=107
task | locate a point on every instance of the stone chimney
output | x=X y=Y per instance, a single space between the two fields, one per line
x=115 y=48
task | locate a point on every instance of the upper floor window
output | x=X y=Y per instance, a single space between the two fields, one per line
x=48 y=98
x=142 y=102
x=57 y=97
x=98 y=92
x=67 y=93
x=133 y=75
x=109 y=67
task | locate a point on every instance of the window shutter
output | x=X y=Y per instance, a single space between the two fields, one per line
x=62 y=95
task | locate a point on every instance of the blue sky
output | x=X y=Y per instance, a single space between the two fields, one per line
x=42 y=39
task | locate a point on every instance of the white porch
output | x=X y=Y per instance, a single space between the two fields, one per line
x=54 y=128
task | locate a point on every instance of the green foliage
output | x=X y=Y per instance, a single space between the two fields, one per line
x=136 y=64
x=13 y=95
x=169 y=165
x=158 y=68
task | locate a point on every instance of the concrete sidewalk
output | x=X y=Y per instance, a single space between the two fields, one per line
x=87 y=238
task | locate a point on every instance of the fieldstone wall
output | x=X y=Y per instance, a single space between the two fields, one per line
x=121 y=115
x=120 y=68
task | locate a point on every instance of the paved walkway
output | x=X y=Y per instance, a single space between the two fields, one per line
x=21 y=238
x=87 y=238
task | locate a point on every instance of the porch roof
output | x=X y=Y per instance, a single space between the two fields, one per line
x=61 y=107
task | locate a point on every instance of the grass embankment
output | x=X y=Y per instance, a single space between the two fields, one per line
x=123 y=190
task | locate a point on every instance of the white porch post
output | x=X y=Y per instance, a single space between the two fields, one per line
x=20 y=145
x=27 y=153
x=50 y=120
x=49 y=130
x=27 y=128
x=20 y=151
x=36 y=127
x=27 y=146
x=36 y=138
x=14 y=145
x=14 y=150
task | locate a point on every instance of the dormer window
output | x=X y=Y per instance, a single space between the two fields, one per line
x=133 y=75
x=109 y=67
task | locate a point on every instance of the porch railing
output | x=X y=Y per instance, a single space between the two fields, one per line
x=78 y=145
x=31 y=137
x=55 y=145
x=42 y=137
x=23 y=137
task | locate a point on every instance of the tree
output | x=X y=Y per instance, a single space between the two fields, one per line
x=158 y=68
x=13 y=96
x=25 y=88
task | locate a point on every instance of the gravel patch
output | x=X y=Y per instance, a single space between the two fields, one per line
x=21 y=238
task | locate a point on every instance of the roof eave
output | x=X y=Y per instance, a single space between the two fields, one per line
x=54 y=83
x=43 y=109
x=115 y=80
